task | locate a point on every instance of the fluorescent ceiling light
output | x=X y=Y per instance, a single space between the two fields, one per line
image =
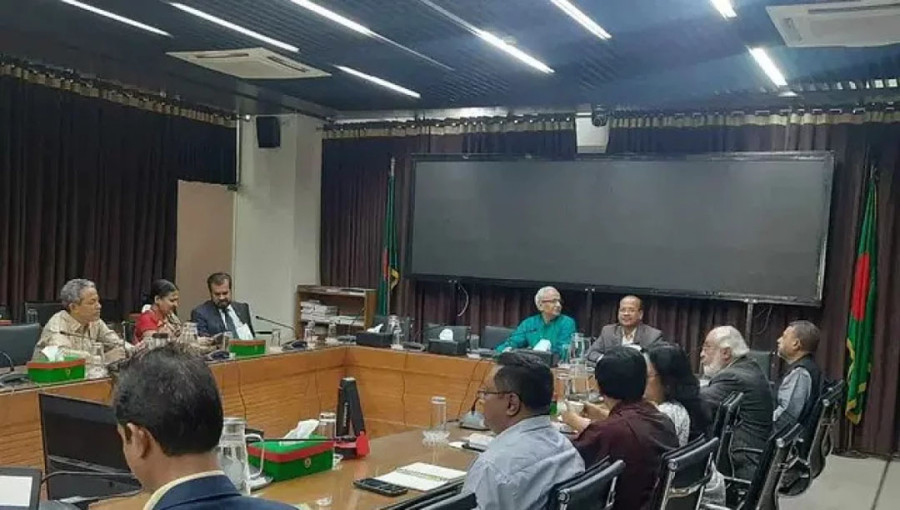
x=113 y=16
x=767 y=65
x=379 y=81
x=333 y=16
x=237 y=28
x=582 y=18
x=725 y=8
x=512 y=50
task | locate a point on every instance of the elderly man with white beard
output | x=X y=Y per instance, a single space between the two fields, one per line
x=725 y=362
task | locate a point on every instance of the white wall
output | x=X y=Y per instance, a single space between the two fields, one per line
x=277 y=213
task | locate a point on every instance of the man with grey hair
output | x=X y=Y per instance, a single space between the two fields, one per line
x=549 y=330
x=725 y=362
x=77 y=328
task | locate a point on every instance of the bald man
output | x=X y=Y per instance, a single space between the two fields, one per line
x=630 y=330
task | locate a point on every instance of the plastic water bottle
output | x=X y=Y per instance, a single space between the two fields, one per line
x=31 y=316
x=331 y=337
x=309 y=334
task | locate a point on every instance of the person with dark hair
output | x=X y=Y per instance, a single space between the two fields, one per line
x=161 y=317
x=220 y=314
x=801 y=386
x=529 y=455
x=634 y=432
x=673 y=387
x=170 y=418
x=630 y=330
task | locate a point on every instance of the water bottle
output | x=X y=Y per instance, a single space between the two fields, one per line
x=309 y=334
x=232 y=453
x=331 y=337
x=31 y=316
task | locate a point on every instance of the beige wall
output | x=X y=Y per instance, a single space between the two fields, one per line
x=205 y=239
x=277 y=217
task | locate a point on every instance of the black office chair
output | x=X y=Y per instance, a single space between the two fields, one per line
x=492 y=336
x=593 y=490
x=764 y=360
x=422 y=501
x=45 y=310
x=110 y=311
x=726 y=421
x=816 y=441
x=405 y=325
x=684 y=475
x=17 y=348
x=464 y=501
x=762 y=492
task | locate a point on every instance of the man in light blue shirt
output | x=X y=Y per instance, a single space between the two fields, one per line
x=528 y=456
x=549 y=325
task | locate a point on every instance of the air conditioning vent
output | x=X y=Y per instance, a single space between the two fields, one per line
x=250 y=64
x=850 y=24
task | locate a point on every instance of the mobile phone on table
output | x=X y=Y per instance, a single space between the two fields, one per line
x=379 y=487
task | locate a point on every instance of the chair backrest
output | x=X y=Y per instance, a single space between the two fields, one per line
x=462 y=501
x=684 y=474
x=17 y=342
x=492 y=336
x=423 y=501
x=45 y=310
x=110 y=311
x=433 y=331
x=405 y=325
x=780 y=453
x=724 y=425
x=764 y=360
x=817 y=441
x=593 y=490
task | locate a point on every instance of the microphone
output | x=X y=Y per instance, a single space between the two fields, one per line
x=276 y=323
x=473 y=420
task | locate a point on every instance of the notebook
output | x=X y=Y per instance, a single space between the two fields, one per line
x=422 y=477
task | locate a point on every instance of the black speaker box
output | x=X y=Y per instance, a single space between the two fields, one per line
x=268 y=132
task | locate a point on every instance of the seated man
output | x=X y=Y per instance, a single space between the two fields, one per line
x=549 y=330
x=635 y=430
x=529 y=455
x=725 y=362
x=802 y=384
x=77 y=328
x=170 y=419
x=630 y=330
x=220 y=314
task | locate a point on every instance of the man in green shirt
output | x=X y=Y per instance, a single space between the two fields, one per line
x=547 y=327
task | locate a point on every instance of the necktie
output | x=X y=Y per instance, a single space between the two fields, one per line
x=229 y=324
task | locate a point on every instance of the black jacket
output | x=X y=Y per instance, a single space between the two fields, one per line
x=209 y=319
x=757 y=407
x=611 y=336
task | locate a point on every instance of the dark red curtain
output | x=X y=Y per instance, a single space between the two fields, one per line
x=88 y=188
x=354 y=181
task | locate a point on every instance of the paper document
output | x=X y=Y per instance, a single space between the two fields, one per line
x=422 y=477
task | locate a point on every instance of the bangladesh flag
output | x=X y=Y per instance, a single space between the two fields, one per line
x=390 y=274
x=861 y=323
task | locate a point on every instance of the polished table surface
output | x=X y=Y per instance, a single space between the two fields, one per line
x=388 y=453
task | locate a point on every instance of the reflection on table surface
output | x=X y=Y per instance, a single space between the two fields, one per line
x=387 y=454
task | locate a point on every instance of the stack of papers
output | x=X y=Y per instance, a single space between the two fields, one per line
x=422 y=477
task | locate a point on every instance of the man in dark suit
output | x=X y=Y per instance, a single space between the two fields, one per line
x=630 y=330
x=170 y=419
x=725 y=362
x=220 y=314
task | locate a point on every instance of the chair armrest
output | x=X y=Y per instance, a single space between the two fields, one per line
x=710 y=506
x=744 y=449
x=736 y=481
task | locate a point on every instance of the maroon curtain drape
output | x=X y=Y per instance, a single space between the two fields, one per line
x=354 y=181
x=88 y=188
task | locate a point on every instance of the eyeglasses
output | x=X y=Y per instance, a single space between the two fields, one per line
x=545 y=301
x=482 y=393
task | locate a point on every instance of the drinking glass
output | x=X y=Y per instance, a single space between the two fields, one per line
x=327 y=424
x=437 y=432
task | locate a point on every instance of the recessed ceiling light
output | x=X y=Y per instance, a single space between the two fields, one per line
x=237 y=28
x=768 y=66
x=515 y=52
x=724 y=7
x=582 y=18
x=113 y=16
x=380 y=81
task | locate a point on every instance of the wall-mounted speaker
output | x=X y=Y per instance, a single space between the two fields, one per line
x=268 y=132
